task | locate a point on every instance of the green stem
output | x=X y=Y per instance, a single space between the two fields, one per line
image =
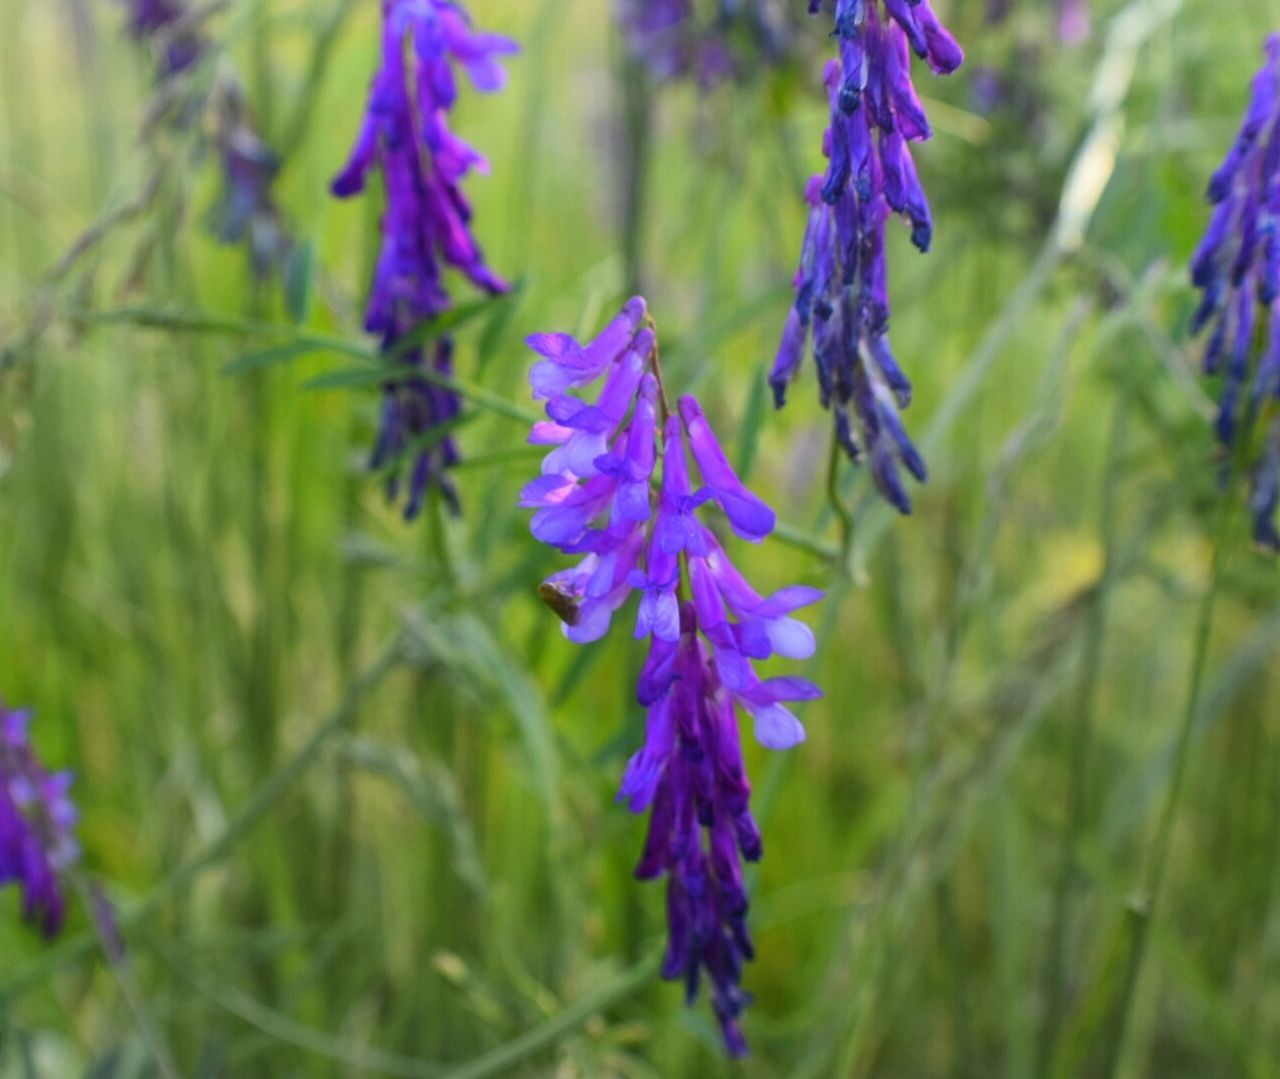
x=1085 y=706
x=637 y=117
x=1143 y=908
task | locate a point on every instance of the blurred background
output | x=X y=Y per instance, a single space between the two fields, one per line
x=349 y=789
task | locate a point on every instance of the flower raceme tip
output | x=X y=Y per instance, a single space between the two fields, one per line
x=405 y=135
x=617 y=489
x=841 y=307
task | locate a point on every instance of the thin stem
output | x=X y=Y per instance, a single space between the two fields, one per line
x=1085 y=706
x=655 y=359
x=637 y=121
x=1144 y=905
x=836 y=501
x=99 y=909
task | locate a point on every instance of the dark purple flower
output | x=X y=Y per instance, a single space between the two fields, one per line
x=706 y=625
x=151 y=18
x=405 y=135
x=841 y=286
x=1237 y=270
x=37 y=818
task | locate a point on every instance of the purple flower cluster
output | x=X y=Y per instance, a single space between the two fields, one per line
x=842 y=300
x=36 y=821
x=149 y=18
x=406 y=135
x=672 y=40
x=1237 y=269
x=599 y=498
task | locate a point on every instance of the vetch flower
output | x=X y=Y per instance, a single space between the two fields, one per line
x=706 y=625
x=246 y=213
x=1237 y=270
x=37 y=818
x=841 y=308
x=709 y=42
x=149 y=19
x=405 y=136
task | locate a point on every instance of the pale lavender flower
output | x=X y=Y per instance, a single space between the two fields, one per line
x=37 y=818
x=405 y=135
x=1237 y=269
x=706 y=625
x=841 y=286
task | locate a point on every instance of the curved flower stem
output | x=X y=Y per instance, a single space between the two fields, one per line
x=842 y=512
x=656 y=359
x=1142 y=910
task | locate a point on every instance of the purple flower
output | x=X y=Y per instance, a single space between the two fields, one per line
x=405 y=135
x=1237 y=270
x=841 y=286
x=706 y=625
x=37 y=818
x=149 y=18
x=670 y=39
x=246 y=212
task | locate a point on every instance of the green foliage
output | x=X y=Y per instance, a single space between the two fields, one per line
x=352 y=791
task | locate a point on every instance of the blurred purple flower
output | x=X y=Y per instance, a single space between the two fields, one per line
x=246 y=212
x=675 y=39
x=842 y=299
x=151 y=18
x=405 y=135
x=37 y=818
x=1237 y=270
x=706 y=625
x=1074 y=23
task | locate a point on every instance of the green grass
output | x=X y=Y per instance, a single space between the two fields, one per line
x=351 y=791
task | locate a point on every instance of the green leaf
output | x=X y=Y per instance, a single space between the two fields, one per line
x=360 y=376
x=433 y=328
x=268 y=357
x=299 y=275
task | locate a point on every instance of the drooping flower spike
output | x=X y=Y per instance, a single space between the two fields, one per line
x=617 y=489
x=841 y=309
x=1237 y=270
x=37 y=818
x=406 y=136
